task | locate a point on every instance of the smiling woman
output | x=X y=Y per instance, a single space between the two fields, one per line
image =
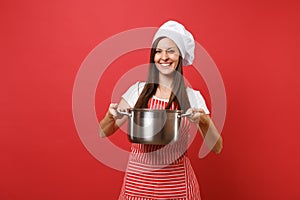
x=163 y=171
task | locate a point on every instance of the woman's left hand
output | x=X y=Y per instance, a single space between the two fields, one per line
x=197 y=115
x=207 y=127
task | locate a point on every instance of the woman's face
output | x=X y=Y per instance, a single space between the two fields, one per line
x=167 y=56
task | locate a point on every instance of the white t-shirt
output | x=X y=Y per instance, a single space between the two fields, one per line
x=196 y=99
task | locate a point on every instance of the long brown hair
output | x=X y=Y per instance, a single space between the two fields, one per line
x=178 y=94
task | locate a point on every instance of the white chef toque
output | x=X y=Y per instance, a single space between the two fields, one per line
x=182 y=38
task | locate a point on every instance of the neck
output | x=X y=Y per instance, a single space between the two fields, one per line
x=165 y=81
x=164 y=87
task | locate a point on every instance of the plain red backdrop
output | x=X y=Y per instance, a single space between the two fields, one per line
x=255 y=45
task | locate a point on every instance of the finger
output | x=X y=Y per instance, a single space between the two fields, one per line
x=195 y=117
x=113 y=112
x=121 y=109
x=190 y=110
x=113 y=105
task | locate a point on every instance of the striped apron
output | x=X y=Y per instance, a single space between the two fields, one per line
x=160 y=171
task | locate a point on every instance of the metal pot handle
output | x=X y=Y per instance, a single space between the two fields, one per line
x=186 y=115
x=124 y=113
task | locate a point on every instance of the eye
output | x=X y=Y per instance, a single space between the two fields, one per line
x=171 y=51
x=157 y=51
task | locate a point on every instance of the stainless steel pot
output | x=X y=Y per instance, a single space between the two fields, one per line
x=147 y=126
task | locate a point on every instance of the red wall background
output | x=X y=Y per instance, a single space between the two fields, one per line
x=255 y=45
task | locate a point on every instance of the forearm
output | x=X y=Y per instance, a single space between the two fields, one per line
x=211 y=135
x=108 y=125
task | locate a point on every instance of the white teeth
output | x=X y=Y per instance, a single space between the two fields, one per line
x=165 y=65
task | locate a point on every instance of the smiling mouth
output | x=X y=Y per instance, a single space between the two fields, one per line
x=165 y=64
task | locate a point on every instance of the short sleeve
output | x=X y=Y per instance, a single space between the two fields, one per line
x=132 y=94
x=197 y=100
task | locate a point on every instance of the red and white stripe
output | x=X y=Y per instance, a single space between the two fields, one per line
x=160 y=171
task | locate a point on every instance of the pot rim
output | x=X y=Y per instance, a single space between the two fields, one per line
x=154 y=110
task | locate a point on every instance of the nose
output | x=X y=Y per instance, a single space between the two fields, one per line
x=164 y=55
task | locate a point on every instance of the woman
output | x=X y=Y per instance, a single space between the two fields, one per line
x=164 y=171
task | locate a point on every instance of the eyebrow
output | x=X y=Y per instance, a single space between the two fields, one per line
x=166 y=49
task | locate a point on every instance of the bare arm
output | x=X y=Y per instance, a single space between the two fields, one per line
x=112 y=120
x=212 y=137
x=208 y=130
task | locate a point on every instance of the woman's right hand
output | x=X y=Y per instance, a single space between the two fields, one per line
x=113 y=107
x=113 y=119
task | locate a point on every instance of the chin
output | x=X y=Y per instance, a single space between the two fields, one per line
x=169 y=72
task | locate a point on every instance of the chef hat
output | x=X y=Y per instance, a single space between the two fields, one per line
x=182 y=38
